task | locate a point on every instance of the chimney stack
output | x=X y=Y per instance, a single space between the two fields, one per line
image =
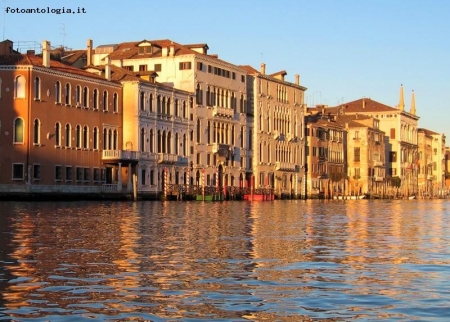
x=108 y=68
x=46 y=53
x=297 y=79
x=172 y=49
x=263 y=68
x=89 y=52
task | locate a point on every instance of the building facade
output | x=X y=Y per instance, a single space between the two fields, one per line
x=58 y=125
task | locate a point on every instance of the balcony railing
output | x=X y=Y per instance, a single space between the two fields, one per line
x=286 y=166
x=120 y=155
x=222 y=111
x=378 y=178
x=378 y=164
x=167 y=158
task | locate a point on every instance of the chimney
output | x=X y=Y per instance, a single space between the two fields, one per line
x=297 y=79
x=46 y=53
x=108 y=69
x=263 y=68
x=31 y=52
x=165 y=51
x=89 y=52
x=172 y=49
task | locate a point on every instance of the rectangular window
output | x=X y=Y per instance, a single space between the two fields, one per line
x=243 y=78
x=142 y=68
x=200 y=66
x=79 y=174
x=130 y=68
x=198 y=158
x=103 y=175
x=36 y=171
x=210 y=69
x=96 y=174
x=185 y=65
x=233 y=75
x=17 y=171
x=86 y=174
x=392 y=133
x=58 y=173
x=392 y=156
x=357 y=154
x=68 y=173
x=208 y=159
x=157 y=68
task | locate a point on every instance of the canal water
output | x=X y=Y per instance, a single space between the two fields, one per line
x=284 y=260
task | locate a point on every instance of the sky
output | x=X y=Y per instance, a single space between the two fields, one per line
x=343 y=50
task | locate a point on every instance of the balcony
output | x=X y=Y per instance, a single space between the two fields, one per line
x=167 y=158
x=431 y=177
x=285 y=166
x=378 y=164
x=223 y=150
x=223 y=112
x=378 y=178
x=148 y=156
x=120 y=155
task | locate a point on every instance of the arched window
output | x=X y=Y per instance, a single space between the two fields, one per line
x=150 y=102
x=163 y=106
x=115 y=103
x=68 y=132
x=105 y=139
x=152 y=147
x=142 y=140
x=85 y=137
x=169 y=142
x=168 y=107
x=198 y=95
x=95 y=138
x=105 y=100
x=67 y=94
x=78 y=137
x=176 y=112
x=177 y=144
x=57 y=134
x=58 y=92
x=164 y=142
x=158 y=104
x=184 y=110
x=18 y=131
x=85 y=97
x=19 y=87
x=36 y=131
x=37 y=88
x=115 y=140
x=110 y=140
x=78 y=95
x=159 y=142
x=198 y=131
x=95 y=98
x=142 y=101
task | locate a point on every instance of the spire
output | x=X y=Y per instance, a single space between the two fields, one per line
x=401 y=103
x=413 y=103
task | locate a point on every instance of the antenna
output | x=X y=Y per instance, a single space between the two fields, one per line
x=63 y=33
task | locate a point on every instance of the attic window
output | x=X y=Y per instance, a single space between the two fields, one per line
x=145 y=50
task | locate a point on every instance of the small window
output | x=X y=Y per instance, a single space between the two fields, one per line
x=18 y=131
x=19 y=87
x=68 y=173
x=185 y=65
x=37 y=89
x=243 y=78
x=36 y=171
x=58 y=173
x=58 y=92
x=130 y=68
x=142 y=68
x=200 y=66
x=79 y=174
x=157 y=68
x=86 y=174
x=18 y=171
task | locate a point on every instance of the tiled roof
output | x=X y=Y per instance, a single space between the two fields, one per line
x=427 y=132
x=14 y=60
x=71 y=57
x=366 y=105
x=249 y=69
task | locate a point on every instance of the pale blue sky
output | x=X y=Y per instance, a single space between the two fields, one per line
x=343 y=49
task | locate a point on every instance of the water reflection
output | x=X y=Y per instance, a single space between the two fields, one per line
x=232 y=260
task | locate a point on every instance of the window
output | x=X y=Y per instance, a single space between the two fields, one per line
x=78 y=137
x=58 y=173
x=357 y=154
x=105 y=100
x=142 y=68
x=19 y=128
x=143 y=174
x=68 y=173
x=17 y=173
x=85 y=137
x=142 y=101
x=392 y=156
x=19 y=87
x=130 y=68
x=67 y=94
x=67 y=134
x=58 y=92
x=79 y=174
x=199 y=95
x=85 y=97
x=36 y=132
x=157 y=68
x=200 y=66
x=95 y=138
x=185 y=65
x=86 y=174
x=37 y=89
x=392 y=133
x=115 y=103
x=57 y=134
x=36 y=171
x=243 y=78
x=96 y=174
x=356 y=135
x=78 y=95
x=95 y=98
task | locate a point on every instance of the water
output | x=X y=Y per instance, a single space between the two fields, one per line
x=228 y=261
